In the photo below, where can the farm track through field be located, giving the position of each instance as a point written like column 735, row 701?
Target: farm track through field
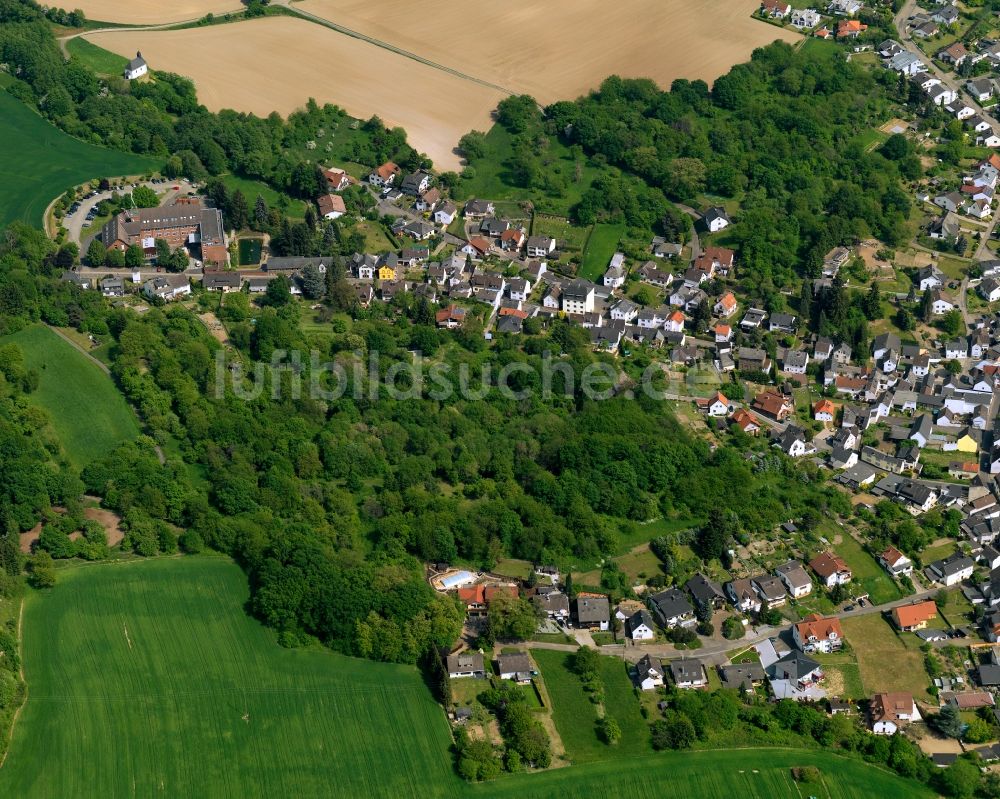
column 397, row 50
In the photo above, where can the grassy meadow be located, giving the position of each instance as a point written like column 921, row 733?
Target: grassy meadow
column 601, row 245
column 85, row 408
column 148, row 678
column 38, row 162
column 102, row 61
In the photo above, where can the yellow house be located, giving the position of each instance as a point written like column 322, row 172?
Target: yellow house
column 967, row 444
column 386, row 272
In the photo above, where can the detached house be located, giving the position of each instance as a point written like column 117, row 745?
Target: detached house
column 688, row 673
column 914, row 617
column 540, row 246
column 384, row 175
column 890, row 711
column 831, row 569
column 816, row 633
column 726, row 306
column 649, row 673
column 593, row 611
column 951, row 570
column 716, row 219
column 795, row 579
column 639, row 626
column 895, row 562
column 466, row 664
column 672, row 608
column 743, row 596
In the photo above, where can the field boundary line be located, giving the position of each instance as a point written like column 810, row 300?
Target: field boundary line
column 335, row 26
column 20, row 671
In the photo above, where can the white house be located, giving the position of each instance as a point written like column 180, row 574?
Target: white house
column 649, row 673
column 540, row 246
column 615, row 276
column 166, row 288
column 578, row 297
column 816, row 633
column 795, row 578
column 136, row 67
column 675, row 322
column 445, row 215
column 688, row 673
column 640, row 627
column 331, row 206
column 805, row 18
column 716, row 219
column 890, row 711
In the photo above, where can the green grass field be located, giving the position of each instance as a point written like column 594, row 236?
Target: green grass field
column 86, row 410
column 746, row 773
column 871, row 577
column 601, row 245
column 147, row 678
column 875, row 643
column 575, row 715
column 251, row 188
column 102, row 61
column 38, row 162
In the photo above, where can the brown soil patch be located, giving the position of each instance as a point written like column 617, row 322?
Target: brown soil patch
column 29, row 538
column 109, row 521
column 895, row 125
column 211, row 321
column 147, row 12
column 278, row 63
column 582, row 42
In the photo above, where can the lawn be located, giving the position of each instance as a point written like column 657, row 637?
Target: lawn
column 875, row 645
column 296, row 209
column 601, row 245
column 869, row 577
column 102, row 61
column 147, row 678
column 575, row 715
column 85, row 408
column 568, row 237
column 38, row 162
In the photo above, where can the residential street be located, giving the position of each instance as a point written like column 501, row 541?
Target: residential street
column 715, row 652
column 949, row 79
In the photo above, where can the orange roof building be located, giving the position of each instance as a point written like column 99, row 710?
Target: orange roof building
column 824, row 411
column 817, row 633
column 746, row 421
column 915, row 616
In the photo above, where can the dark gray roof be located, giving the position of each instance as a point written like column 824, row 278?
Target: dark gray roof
column 685, row 670
column 516, row 662
column 792, row 666
column 741, row 675
column 704, row 590
column 593, row 608
column 672, row 603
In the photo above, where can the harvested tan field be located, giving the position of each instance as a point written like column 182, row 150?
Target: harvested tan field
column 559, row 50
column 150, row 12
column 277, row 63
